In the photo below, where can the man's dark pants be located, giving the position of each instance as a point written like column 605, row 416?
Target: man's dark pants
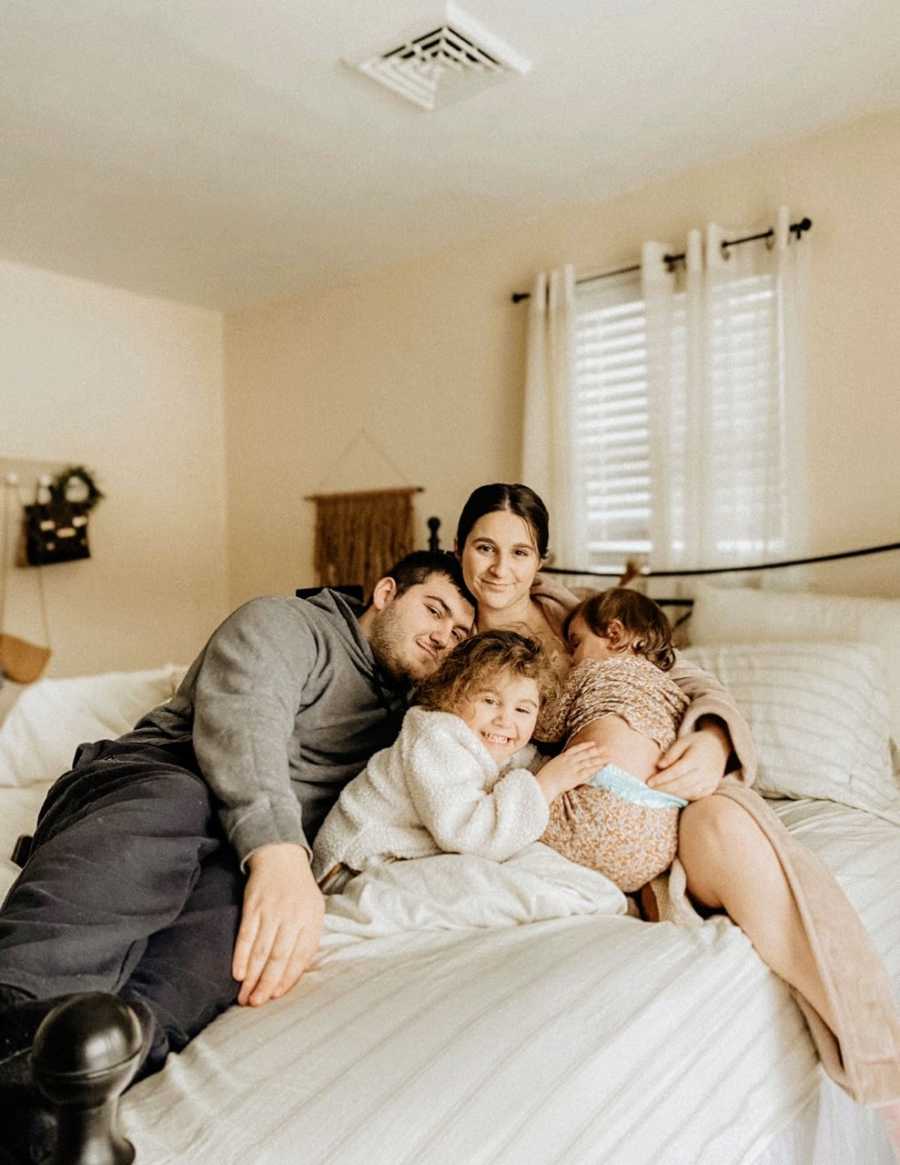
column 130, row 887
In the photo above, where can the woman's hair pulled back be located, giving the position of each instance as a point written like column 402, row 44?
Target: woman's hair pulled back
column 518, row 499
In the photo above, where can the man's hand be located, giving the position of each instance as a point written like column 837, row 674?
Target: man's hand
column 281, row 923
column 695, row 764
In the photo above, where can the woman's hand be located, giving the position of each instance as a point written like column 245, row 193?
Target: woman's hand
column 571, row 768
column 695, row 764
column 281, row 923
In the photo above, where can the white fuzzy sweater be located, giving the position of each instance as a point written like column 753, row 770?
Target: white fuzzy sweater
column 435, row 790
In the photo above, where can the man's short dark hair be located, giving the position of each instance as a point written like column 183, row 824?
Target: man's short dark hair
column 415, row 568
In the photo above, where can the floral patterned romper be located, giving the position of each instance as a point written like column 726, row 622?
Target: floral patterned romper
column 617, row 824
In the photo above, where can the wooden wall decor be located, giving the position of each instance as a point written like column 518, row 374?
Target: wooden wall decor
column 361, row 534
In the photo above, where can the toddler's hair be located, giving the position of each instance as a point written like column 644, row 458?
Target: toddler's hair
column 647, row 630
column 474, row 663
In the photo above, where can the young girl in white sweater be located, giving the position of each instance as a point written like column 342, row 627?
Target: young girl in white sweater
column 457, row 779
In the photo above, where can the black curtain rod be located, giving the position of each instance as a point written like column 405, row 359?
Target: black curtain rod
column 796, row 228
column 731, row 569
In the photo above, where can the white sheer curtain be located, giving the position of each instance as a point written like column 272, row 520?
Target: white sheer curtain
column 548, row 461
column 726, row 398
column 680, row 425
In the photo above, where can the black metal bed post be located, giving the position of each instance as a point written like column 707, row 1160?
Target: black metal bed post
column 85, row 1054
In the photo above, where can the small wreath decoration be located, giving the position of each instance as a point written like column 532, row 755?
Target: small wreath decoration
column 76, row 484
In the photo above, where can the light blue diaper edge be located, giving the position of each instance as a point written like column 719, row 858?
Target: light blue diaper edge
column 629, row 788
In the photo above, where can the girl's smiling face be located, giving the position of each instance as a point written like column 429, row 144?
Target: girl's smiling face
column 502, row 714
column 500, row 560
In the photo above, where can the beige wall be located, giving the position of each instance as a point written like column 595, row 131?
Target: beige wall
column 132, row 388
column 426, row 360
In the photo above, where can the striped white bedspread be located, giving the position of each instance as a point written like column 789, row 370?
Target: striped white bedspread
column 586, row 1038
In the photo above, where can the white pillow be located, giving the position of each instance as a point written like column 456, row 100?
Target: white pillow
column 744, row 615
column 819, row 716
column 52, row 717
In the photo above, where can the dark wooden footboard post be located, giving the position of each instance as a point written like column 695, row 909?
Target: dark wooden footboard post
column 85, row 1053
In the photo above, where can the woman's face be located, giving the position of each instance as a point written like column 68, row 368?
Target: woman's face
column 500, row 560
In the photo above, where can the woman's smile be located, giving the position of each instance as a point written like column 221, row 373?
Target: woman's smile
column 500, row 559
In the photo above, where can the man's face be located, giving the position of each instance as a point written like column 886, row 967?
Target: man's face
column 411, row 633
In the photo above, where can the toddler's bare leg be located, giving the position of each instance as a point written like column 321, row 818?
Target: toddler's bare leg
column 631, row 751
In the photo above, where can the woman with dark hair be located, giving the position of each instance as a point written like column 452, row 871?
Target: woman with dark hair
column 733, row 852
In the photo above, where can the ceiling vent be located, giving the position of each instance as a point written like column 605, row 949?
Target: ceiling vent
column 454, row 57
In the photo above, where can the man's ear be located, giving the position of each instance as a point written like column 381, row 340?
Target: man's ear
column 384, row 592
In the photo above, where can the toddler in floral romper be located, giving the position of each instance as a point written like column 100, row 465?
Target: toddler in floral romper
column 617, row 694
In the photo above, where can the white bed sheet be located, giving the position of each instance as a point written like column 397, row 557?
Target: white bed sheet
column 582, row 1039
column 18, row 813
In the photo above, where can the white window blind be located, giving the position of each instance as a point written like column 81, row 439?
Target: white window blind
column 745, row 432
column 722, row 460
column 610, row 419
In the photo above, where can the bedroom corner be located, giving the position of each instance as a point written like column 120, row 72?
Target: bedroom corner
column 131, row 386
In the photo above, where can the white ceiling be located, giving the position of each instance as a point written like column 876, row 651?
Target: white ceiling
column 217, row 152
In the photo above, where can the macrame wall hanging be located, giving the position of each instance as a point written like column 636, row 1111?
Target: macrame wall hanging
column 360, row 534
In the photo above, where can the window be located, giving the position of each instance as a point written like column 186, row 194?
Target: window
column 680, row 421
column 610, row 422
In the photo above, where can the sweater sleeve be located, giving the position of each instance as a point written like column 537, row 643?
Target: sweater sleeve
column 446, row 783
column 248, row 688
column 709, row 698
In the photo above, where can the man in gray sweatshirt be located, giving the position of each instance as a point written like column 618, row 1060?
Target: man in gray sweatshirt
column 172, row 866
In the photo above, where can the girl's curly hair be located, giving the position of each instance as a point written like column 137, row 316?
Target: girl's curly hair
column 474, row 663
column 647, row 630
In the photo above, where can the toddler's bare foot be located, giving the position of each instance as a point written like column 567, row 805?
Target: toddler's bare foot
column 649, row 909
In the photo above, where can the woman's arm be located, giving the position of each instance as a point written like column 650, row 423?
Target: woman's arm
column 713, row 738
column 695, row 764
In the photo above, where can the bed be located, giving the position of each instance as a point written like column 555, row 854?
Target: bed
column 462, row 1011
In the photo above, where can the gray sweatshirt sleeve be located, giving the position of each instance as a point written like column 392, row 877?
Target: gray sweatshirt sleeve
column 247, row 691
